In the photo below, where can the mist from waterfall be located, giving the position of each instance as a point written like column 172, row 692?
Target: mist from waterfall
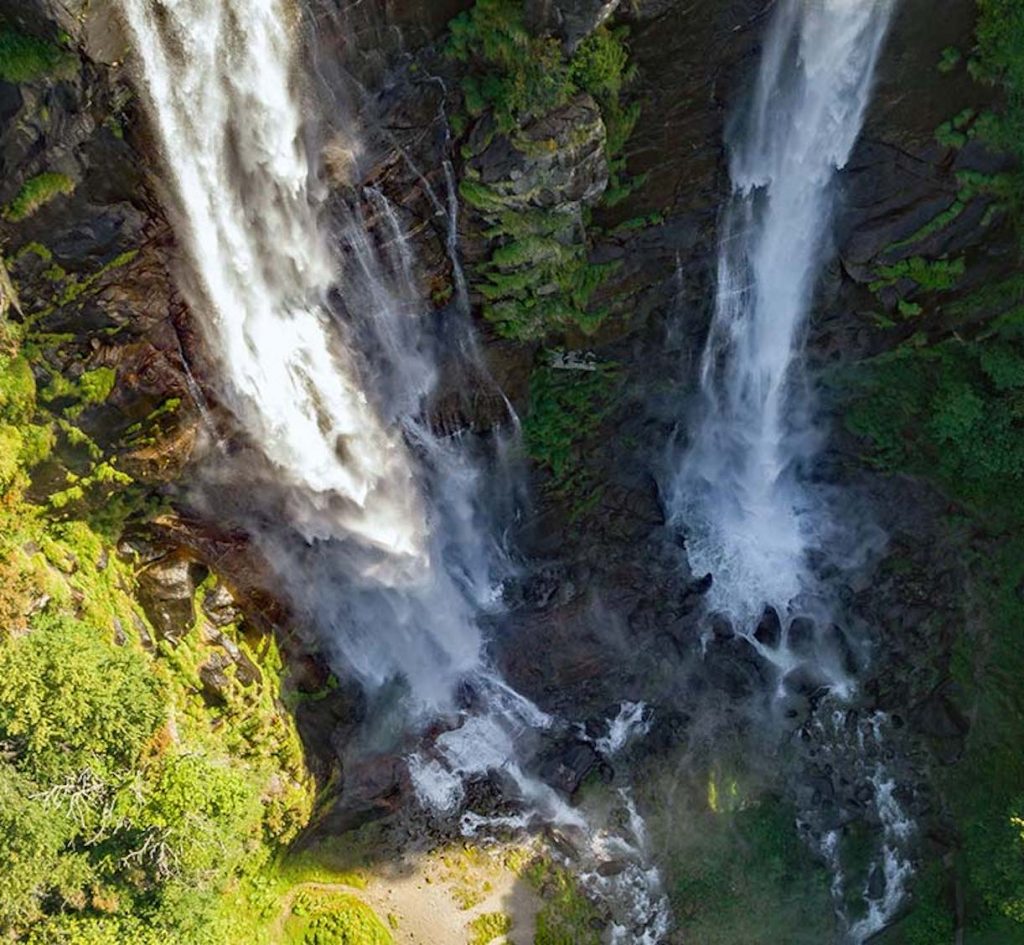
column 737, row 489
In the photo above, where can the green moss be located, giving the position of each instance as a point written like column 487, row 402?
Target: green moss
column 24, row 58
column 950, row 59
column 36, row 193
column 95, row 386
column 937, row 275
column 332, row 919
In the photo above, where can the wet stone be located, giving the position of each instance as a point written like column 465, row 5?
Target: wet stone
column 769, row 629
column 800, row 636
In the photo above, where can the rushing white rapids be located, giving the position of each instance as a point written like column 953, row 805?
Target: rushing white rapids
column 736, row 490
column 221, row 82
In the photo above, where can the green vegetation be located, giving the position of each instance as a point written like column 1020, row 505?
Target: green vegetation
column 567, row 408
column 24, row 58
column 131, row 810
column 539, row 279
column 739, row 872
column 948, row 405
column 36, row 193
column 485, row 928
column 324, row 918
column 567, row 916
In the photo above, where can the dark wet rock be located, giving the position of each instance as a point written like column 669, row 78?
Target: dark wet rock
column 735, row 667
column 806, row 680
column 327, row 723
column 800, row 637
column 700, row 586
column 769, row 629
column 839, row 642
column 721, row 627
column 220, row 606
column 877, row 883
column 568, row 766
column 215, row 679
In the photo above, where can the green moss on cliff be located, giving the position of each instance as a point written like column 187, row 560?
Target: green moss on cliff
column 36, row 193
column 539, row 279
column 25, row 58
column 567, row 408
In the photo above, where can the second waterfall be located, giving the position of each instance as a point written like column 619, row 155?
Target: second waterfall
column 737, row 488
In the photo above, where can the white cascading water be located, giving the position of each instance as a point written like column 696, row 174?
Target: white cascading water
column 736, row 491
column 223, row 87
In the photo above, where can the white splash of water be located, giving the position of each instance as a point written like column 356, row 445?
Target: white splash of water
column 736, row 491
column 859, row 742
column 632, row 721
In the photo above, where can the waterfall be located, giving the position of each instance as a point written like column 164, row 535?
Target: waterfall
column 321, row 352
column 737, row 490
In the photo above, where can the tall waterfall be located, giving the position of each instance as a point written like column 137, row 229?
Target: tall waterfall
column 380, row 545
column 737, row 489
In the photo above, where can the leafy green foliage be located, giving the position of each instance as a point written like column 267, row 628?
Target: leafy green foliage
column 36, row 193
column 999, row 60
column 485, row 928
column 567, row 408
column 24, row 58
column 327, row 918
column 567, row 916
column 72, row 701
column 953, row 411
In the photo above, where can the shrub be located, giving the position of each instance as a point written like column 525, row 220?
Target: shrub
column 71, row 700
column 350, row 922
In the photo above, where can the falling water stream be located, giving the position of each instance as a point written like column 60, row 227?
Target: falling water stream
column 737, row 490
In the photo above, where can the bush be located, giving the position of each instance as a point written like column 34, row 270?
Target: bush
column 351, row 922
column 567, row 408
column 71, row 700
column 32, row 838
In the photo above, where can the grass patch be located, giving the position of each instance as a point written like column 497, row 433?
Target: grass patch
column 36, row 193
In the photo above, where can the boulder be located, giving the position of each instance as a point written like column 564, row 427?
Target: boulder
column 167, row 589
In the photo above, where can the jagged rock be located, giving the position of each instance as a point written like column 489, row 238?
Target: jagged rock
column 800, row 636
column 220, row 606
column 734, row 666
column 216, row 681
column 570, row 19
column 557, row 162
column 769, row 628
column 569, row 766
column 167, row 590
